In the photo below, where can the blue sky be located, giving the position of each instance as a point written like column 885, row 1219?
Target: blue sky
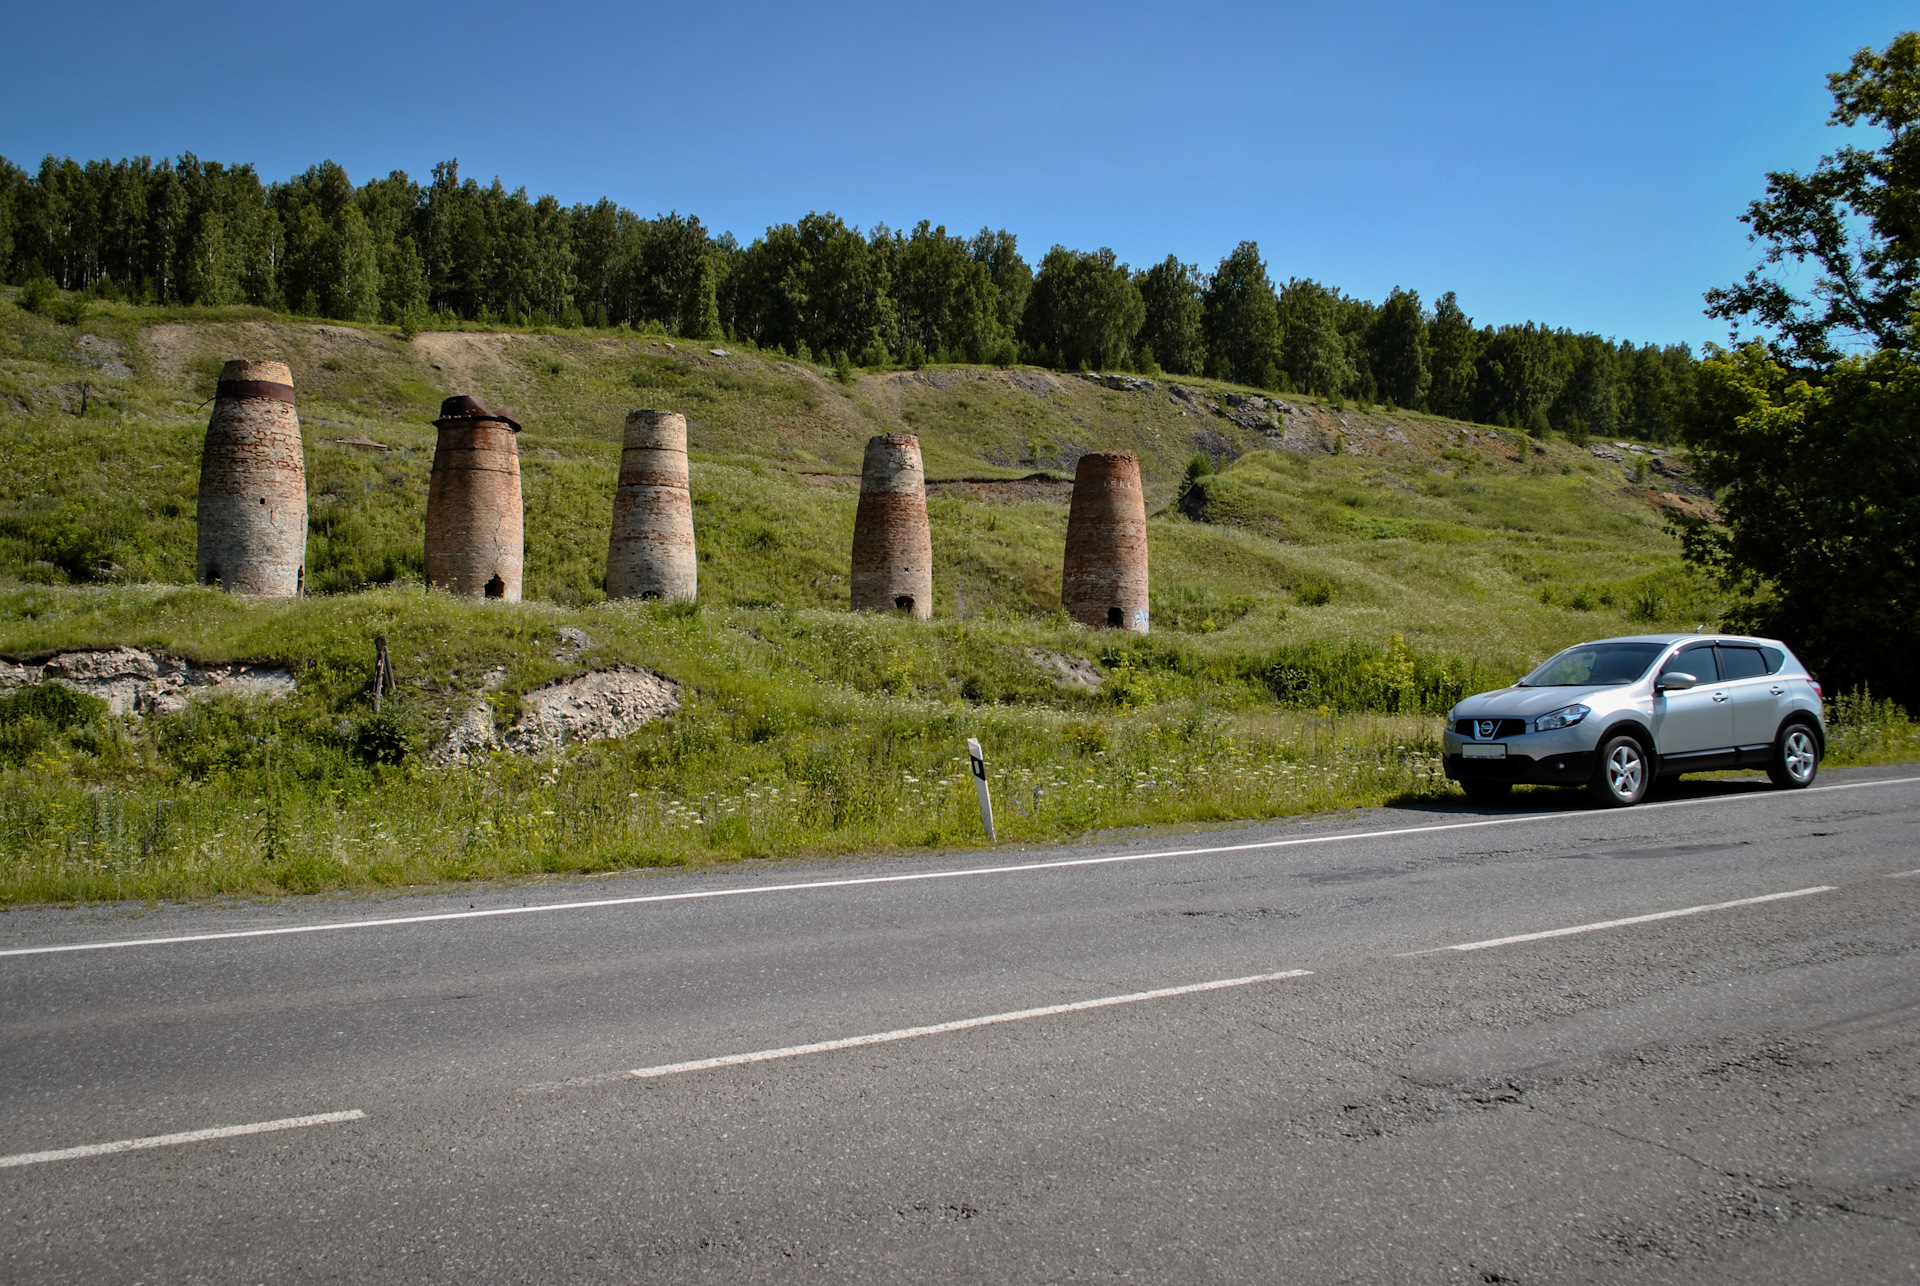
column 1582, row 166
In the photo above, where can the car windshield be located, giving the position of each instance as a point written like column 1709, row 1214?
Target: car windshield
column 1593, row 665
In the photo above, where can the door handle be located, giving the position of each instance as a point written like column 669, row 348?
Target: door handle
column 1777, row 690
column 1719, row 696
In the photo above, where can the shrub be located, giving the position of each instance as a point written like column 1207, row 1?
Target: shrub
column 39, row 294
column 54, row 704
column 32, row 719
column 380, row 739
column 1353, row 676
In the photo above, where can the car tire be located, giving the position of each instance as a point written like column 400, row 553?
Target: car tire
column 1796, row 758
column 1623, row 773
column 1487, row 792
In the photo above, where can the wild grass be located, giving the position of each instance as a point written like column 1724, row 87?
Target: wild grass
column 1862, row 730
column 801, row 732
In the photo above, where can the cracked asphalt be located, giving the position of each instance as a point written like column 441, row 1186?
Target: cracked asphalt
column 1732, row 1095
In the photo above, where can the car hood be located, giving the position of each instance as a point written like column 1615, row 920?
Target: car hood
column 1526, row 703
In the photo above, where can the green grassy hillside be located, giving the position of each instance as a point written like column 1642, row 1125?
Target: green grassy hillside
column 1313, row 607
column 1437, row 514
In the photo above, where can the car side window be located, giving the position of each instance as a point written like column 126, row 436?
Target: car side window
column 1742, row 663
column 1697, row 661
column 1775, row 658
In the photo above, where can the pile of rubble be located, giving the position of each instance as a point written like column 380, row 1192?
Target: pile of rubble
column 587, row 707
column 134, row 681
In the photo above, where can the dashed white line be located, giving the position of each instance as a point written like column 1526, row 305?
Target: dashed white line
column 1903, row 875
column 963, row 1024
column 911, row 878
column 171, row 1140
column 1615, row 924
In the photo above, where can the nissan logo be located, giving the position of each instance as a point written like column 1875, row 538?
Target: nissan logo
column 1484, row 728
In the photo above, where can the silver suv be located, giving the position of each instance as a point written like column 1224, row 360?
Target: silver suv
column 1615, row 714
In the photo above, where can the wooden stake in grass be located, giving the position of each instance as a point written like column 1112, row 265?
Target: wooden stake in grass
column 980, row 786
column 383, row 680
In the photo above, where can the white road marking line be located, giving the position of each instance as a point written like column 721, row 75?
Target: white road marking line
column 964, row 1024
column 191, row 1136
column 1903, row 875
column 1615, row 924
column 856, row 881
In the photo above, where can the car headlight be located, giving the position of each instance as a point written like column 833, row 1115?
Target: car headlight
column 1564, row 717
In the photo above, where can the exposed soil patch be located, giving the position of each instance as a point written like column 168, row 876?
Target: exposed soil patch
column 587, row 707
column 889, row 390
column 1068, row 671
column 1685, row 508
column 834, row 402
column 1121, row 383
column 134, row 681
column 174, row 348
column 188, row 355
column 1028, row 381
column 464, row 360
column 103, row 355
column 1216, row 446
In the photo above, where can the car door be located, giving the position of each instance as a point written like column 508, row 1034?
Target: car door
column 1759, row 700
column 1694, row 722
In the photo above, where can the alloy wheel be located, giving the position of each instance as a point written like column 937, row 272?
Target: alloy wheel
column 1625, row 769
column 1801, row 756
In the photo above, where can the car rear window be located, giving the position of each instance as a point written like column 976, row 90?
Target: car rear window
column 1697, row 661
column 1742, row 663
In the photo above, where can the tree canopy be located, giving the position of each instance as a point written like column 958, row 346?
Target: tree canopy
column 394, row 250
column 1855, row 219
column 1814, row 450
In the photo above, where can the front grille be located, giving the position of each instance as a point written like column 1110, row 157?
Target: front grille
column 1502, row 728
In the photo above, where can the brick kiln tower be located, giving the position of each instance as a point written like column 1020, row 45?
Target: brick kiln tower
column 891, row 540
column 651, row 553
column 475, row 522
column 892, row 543
column 1103, row 583
column 253, row 485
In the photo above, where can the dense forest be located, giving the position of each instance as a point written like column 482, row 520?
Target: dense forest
column 199, row 232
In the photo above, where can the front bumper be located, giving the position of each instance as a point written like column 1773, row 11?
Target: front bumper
column 1570, row 768
column 1563, row 757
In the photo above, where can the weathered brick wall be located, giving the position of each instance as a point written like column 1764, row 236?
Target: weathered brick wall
column 892, row 543
column 475, row 519
column 253, row 485
column 651, row 552
column 1103, row 580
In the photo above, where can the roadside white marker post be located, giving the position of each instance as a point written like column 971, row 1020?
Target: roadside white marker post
column 980, row 785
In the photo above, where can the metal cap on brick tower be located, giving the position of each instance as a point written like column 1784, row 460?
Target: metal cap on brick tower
column 253, row 485
column 1103, row 582
column 475, row 521
column 651, row 553
column 892, row 543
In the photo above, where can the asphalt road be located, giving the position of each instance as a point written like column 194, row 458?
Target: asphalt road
column 1727, row 1095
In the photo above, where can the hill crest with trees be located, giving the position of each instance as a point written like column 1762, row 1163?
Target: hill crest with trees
column 393, row 250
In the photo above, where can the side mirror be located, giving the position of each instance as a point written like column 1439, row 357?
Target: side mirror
column 1674, row 681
